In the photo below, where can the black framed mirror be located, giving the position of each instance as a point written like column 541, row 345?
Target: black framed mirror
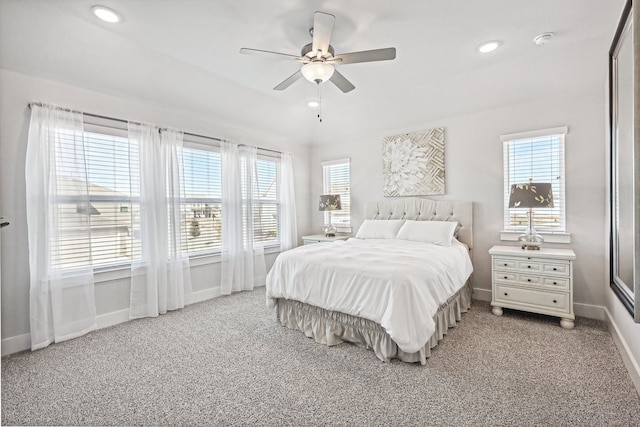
column 624, row 101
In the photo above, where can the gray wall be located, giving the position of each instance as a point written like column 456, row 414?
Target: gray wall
column 112, row 289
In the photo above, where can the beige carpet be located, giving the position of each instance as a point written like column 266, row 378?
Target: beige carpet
column 228, row 362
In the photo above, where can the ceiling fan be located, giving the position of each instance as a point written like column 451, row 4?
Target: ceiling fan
column 319, row 57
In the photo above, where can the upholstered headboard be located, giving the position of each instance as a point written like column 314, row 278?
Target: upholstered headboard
column 427, row 210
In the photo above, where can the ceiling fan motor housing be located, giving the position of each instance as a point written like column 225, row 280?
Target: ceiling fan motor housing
column 307, row 51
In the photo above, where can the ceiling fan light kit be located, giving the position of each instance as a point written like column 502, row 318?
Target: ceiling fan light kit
column 317, row 72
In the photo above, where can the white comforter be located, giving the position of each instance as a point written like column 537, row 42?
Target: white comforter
column 397, row 283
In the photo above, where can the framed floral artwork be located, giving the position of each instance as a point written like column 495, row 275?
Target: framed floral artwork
column 413, row 163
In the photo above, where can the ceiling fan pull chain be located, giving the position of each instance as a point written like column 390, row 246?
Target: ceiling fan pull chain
column 319, row 103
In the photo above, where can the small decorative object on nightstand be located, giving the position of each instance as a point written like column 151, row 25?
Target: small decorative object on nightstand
column 319, row 238
column 539, row 282
column 329, row 203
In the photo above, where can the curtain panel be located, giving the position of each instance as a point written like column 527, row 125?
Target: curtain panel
column 243, row 264
column 62, row 301
column 288, row 223
column 161, row 277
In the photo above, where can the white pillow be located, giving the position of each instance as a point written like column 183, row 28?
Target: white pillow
column 379, row 228
column 436, row 232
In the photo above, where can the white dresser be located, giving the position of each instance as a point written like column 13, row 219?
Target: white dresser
column 536, row 281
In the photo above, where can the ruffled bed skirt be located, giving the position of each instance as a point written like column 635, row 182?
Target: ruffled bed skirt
column 332, row 327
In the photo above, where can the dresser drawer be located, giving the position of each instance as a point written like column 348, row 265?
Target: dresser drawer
column 531, row 297
column 556, row 268
column 505, row 264
column 505, row 276
column 556, row 282
column 530, row 266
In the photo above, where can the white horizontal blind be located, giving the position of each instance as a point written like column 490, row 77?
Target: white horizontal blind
column 201, row 212
column 113, row 208
column 337, row 180
column 541, row 158
column 266, row 216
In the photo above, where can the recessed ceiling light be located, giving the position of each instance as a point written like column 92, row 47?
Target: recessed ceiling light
column 313, row 103
column 543, row 38
column 488, row 47
column 106, row 14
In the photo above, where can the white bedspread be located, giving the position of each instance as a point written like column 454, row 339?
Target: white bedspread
column 397, row 283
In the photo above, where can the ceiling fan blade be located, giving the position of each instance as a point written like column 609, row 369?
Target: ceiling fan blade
column 367, row 56
column 322, row 29
column 269, row 54
column 341, row 81
column 289, row 81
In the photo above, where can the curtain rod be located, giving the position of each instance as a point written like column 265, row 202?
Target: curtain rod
column 98, row 116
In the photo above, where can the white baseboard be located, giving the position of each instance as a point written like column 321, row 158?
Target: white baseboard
column 15, row 344
column 23, row 342
column 203, row 295
column 113, row 318
column 482, row 294
column 623, row 349
column 589, row 311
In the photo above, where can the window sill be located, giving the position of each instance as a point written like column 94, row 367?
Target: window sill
column 512, row 236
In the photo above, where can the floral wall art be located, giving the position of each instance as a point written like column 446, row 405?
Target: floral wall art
column 413, row 163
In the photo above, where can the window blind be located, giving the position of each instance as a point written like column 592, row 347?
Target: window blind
column 337, row 180
column 105, row 198
column 202, row 209
column 111, row 210
column 266, row 217
column 540, row 157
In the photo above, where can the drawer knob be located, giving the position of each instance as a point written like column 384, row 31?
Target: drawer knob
column 555, row 283
column 528, row 280
column 528, row 266
column 555, row 301
column 555, row 269
column 505, row 264
column 505, row 294
column 505, row 277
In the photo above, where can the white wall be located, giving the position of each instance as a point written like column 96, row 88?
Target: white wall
column 112, row 291
column 474, row 172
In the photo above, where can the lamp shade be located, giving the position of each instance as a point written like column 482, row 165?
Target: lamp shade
column 531, row 195
column 317, row 72
column 330, row 202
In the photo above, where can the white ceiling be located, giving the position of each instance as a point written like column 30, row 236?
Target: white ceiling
column 183, row 54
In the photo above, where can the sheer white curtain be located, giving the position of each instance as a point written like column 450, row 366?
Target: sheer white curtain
column 243, row 265
column 160, row 278
column 288, row 224
column 62, row 301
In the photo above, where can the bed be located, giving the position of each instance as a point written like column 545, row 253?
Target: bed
column 393, row 293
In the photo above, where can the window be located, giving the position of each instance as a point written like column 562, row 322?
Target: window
column 113, row 208
column 336, row 180
column 267, row 194
column 201, row 211
column 539, row 156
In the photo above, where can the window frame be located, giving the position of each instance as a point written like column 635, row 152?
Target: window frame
column 551, row 235
column 118, row 128
column 112, row 129
column 344, row 227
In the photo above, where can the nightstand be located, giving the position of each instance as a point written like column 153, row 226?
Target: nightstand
column 320, row 238
column 538, row 281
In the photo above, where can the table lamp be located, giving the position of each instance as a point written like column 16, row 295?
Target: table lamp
column 329, row 203
column 531, row 195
